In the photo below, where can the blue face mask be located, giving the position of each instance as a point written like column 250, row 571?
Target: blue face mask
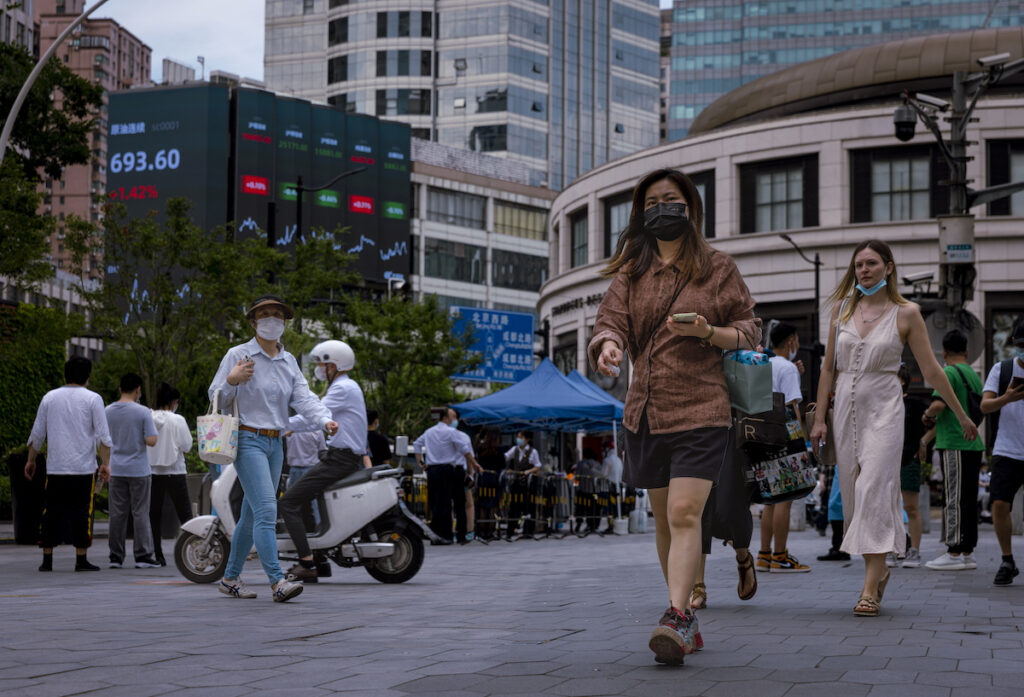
column 520, row 442
column 873, row 289
column 454, row 423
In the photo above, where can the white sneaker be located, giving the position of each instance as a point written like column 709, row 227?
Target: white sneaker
column 913, row 559
column 969, row 561
column 285, row 590
column 891, row 561
column 947, row 562
column 235, row 588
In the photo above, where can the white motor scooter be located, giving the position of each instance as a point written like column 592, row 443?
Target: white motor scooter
column 363, row 522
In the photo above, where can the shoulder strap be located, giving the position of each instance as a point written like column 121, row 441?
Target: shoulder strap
column 963, row 378
column 1005, row 375
column 641, row 348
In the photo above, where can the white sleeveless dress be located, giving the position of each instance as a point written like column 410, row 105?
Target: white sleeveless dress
column 868, row 424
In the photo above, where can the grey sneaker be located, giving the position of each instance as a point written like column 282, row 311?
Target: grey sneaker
column 913, row 559
column 676, row 635
column 947, row 562
column 891, row 560
column 969, row 561
column 285, row 590
column 235, row 587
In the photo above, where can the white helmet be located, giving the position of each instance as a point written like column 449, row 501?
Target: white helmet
column 337, row 352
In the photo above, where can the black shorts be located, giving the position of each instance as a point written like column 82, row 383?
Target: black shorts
column 651, row 460
column 1007, row 478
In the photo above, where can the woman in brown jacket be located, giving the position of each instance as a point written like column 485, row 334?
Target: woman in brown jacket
column 677, row 415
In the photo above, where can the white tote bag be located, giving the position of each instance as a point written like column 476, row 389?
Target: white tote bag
column 218, row 434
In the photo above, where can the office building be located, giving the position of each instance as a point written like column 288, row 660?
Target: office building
column 110, row 56
column 17, row 26
column 718, row 45
column 561, row 85
column 817, row 160
column 175, row 73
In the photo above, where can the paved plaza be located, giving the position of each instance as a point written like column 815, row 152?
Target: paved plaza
column 553, row 617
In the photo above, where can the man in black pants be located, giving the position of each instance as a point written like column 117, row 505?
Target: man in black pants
column 961, row 460
column 445, row 450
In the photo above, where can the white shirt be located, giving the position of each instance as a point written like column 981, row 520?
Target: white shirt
column 304, row 448
column 611, row 468
column 442, row 445
column 466, row 442
column 72, row 421
column 1010, row 439
column 344, row 399
column 786, row 379
column 174, row 439
column 515, row 453
column 276, row 384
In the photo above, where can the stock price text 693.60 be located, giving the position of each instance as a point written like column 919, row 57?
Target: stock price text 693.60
column 139, row 161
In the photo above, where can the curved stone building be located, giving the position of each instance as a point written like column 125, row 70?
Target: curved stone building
column 810, row 152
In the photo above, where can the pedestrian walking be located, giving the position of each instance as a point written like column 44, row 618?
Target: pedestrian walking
column 677, row 416
column 916, row 437
column 1001, row 398
column 167, row 462
column 379, row 444
column 71, row 422
column 961, row 460
column 347, row 451
column 132, row 430
column 775, row 517
column 439, row 452
column 264, row 381
column 873, row 324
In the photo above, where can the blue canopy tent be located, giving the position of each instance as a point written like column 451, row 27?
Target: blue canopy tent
column 548, row 401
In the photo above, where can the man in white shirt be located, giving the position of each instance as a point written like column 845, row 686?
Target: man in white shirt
column 442, row 453
column 775, row 519
column 1002, row 394
column 71, row 420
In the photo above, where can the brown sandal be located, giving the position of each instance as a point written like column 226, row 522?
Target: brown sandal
column 745, row 566
column 699, row 597
column 867, row 607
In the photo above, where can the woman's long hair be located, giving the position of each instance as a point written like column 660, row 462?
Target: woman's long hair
column 636, row 248
column 849, row 282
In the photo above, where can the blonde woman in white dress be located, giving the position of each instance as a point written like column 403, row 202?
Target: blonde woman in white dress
column 871, row 323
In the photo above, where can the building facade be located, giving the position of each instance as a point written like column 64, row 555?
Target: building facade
column 718, row 45
column 823, row 166
column 108, row 55
column 559, row 85
column 479, row 230
column 17, row 26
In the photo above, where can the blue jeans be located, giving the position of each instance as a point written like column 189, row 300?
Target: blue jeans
column 258, row 466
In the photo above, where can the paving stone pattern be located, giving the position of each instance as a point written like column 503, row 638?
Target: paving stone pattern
column 566, row 617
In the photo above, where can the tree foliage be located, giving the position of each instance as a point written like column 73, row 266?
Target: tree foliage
column 51, row 132
column 405, row 355
column 173, row 298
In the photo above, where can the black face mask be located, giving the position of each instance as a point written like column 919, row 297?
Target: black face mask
column 667, row 221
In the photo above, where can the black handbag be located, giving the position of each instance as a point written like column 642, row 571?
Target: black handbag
column 765, row 429
column 973, row 399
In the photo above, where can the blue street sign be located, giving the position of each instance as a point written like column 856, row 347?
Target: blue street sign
column 504, row 339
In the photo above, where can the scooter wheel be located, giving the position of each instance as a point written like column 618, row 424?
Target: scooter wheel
column 404, row 563
column 200, row 562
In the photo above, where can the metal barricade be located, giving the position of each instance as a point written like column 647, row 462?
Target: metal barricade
column 488, row 499
column 414, row 494
column 558, row 504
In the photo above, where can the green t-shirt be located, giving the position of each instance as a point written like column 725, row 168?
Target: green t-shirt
column 948, row 433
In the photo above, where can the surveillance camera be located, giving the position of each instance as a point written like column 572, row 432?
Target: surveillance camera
column 915, row 278
column 940, row 104
column 905, row 120
column 993, row 61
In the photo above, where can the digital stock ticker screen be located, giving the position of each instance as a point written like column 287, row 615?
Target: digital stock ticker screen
column 233, row 153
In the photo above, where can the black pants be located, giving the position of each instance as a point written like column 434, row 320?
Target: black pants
column 960, row 510
column 335, row 465
column 177, row 488
column 70, row 496
column 445, row 490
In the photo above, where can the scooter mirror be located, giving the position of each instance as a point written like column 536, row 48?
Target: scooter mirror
column 402, row 446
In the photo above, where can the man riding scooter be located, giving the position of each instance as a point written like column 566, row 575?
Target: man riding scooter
column 346, row 449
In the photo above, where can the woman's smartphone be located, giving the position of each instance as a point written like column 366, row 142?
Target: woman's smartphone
column 685, row 317
column 1016, row 382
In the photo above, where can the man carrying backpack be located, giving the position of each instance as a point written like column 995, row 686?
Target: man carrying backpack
column 961, row 459
column 1003, row 392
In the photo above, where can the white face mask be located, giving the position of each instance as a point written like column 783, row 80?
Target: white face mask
column 270, row 328
column 320, row 372
column 792, row 354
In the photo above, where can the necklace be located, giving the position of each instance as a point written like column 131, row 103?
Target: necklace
column 865, row 320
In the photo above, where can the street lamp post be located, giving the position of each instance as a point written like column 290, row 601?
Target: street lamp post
column 5, row 135
column 817, row 350
column 300, row 189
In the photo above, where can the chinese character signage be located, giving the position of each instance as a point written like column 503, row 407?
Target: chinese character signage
column 503, row 339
